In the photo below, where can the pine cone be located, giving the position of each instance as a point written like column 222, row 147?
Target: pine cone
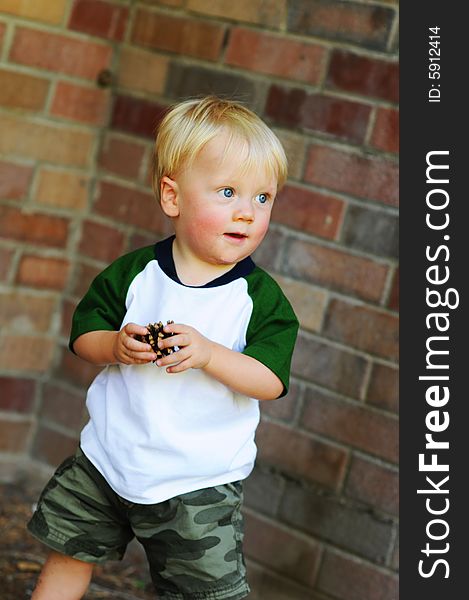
column 155, row 331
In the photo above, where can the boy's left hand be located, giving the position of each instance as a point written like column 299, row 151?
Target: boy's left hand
column 194, row 352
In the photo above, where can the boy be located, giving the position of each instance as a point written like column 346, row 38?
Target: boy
column 167, row 445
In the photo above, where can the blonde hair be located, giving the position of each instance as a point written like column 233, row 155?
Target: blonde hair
column 189, row 125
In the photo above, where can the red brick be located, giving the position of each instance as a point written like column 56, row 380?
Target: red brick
column 328, row 366
column 83, row 277
column 103, row 19
column 263, row 489
column 308, row 302
column 60, row 53
column 121, row 157
column 367, row 25
column 364, row 328
column 63, row 406
column 87, row 105
column 43, row 272
column 362, row 75
column 26, row 353
column 283, row 408
column 340, row 118
column 357, row 581
column 75, row 370
column 36, row 10
column 385, row 134
column 308, row 211
column 22, row 91
column 336, row 270
column 383, row 390
column 138, row 240
column 182, row 35
column 62, row 189
column 68, row 308
column 134, row 66
column 268, row 13
column 299, row 455
column 295, row 149
column 275, row 55
column 298, row 558
column 25, row 312
column 17, row 394
column 393, row 301
column 14, row 180
column 101, row 241
column 45, row 141
column 370, row 178
column 136, row 116
column 352, row 424
column 130, row 206
column 6, row 256
column 53, row 447
column 286, row 106
column 374, row 484
column 372, row 231
column 188, row 80
column 270, row 251
column 35, row 228
column 332, row 519
column 14, row 435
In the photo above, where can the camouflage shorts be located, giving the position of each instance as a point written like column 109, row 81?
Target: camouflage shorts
column 193, row 542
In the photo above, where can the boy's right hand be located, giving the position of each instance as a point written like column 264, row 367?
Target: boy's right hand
column 128, row 350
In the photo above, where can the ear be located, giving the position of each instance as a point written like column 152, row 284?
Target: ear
column 169, row 196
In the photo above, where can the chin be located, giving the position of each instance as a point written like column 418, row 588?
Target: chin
column 222, row 262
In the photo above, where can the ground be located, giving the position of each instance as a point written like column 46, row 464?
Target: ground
column 21, row 556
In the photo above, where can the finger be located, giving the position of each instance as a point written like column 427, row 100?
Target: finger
column 174, row 340
column 176, row 328
column 180, row 367
column 134, row 345
column 134, row 329
column 141, row 362
column 172, row 358
column 146, row 357
column 135, row 356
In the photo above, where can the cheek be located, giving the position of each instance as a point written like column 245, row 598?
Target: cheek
column 262, row 225
column 205, row 222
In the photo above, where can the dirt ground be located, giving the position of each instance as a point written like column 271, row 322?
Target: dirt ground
column 21, row 556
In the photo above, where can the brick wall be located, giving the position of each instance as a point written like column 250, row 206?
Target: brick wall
column 321, row 505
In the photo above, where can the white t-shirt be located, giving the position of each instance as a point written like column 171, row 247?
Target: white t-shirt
column 155, row 435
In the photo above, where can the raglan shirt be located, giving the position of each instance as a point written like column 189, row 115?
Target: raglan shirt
column 155, row 435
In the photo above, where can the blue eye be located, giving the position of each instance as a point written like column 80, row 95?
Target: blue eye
column 262, row 198
column 227, row 192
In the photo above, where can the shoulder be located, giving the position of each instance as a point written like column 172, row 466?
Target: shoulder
column 268, row 298
column 261, row 284
column 127, row 266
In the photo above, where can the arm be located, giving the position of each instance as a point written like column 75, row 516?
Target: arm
column 241, row 373
column 112, row 347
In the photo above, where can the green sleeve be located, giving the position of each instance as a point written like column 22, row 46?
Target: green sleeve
column 103, row 306
column 273, row 327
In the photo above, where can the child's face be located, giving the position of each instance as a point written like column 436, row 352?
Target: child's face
column 223, row 212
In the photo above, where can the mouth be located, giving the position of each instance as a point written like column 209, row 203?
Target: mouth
column 236, row 236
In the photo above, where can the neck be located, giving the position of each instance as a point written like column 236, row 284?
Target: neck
column 193, row 271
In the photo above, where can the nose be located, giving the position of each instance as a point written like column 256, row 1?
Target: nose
column 244, row 210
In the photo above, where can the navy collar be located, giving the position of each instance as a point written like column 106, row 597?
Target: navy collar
column 164, row 256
